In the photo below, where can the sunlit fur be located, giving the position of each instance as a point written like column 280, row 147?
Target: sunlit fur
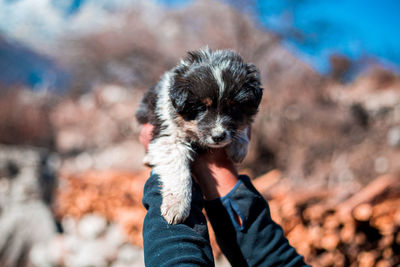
column 207, row 101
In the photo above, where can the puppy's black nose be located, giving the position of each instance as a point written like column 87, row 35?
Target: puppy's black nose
column 218, row 137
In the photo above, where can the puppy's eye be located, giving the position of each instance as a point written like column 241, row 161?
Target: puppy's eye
column 191, row 115
column 234, row 108
column 193, row 112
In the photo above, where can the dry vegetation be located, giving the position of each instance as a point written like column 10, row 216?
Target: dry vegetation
column 314, row 128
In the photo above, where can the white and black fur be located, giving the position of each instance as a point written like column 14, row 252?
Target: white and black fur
column 207, row 101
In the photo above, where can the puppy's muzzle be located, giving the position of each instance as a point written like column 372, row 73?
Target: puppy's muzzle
column 219, row 137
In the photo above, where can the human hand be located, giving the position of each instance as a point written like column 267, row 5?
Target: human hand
column 146, row 134
column 215, row 172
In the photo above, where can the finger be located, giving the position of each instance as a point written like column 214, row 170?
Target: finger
column 146, row 134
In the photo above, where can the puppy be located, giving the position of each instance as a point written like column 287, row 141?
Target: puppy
column 207, row 101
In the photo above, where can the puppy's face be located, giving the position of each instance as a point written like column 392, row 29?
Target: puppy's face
column 215, row 95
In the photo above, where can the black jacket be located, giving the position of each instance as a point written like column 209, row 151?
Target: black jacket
column 257, row 241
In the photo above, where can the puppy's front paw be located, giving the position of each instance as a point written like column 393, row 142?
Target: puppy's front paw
column 174, row 209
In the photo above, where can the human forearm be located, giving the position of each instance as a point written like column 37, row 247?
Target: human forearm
column 254, row 239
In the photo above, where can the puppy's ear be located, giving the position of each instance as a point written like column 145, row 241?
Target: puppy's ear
column 178, row 94
column 253, row 82
column 198, row 56
column 194, row 57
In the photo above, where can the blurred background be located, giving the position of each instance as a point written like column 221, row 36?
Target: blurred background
column 325, row 147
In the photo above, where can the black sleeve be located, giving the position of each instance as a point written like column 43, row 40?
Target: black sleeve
column 257, row 240
column 185, row 244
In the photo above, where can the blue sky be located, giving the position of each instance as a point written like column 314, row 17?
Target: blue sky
column 312, row 29
column 319, row 28
column 316, row 29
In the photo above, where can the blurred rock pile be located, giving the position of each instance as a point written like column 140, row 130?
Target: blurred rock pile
column 88, row 241
column 101, row 216
column 26, row 185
